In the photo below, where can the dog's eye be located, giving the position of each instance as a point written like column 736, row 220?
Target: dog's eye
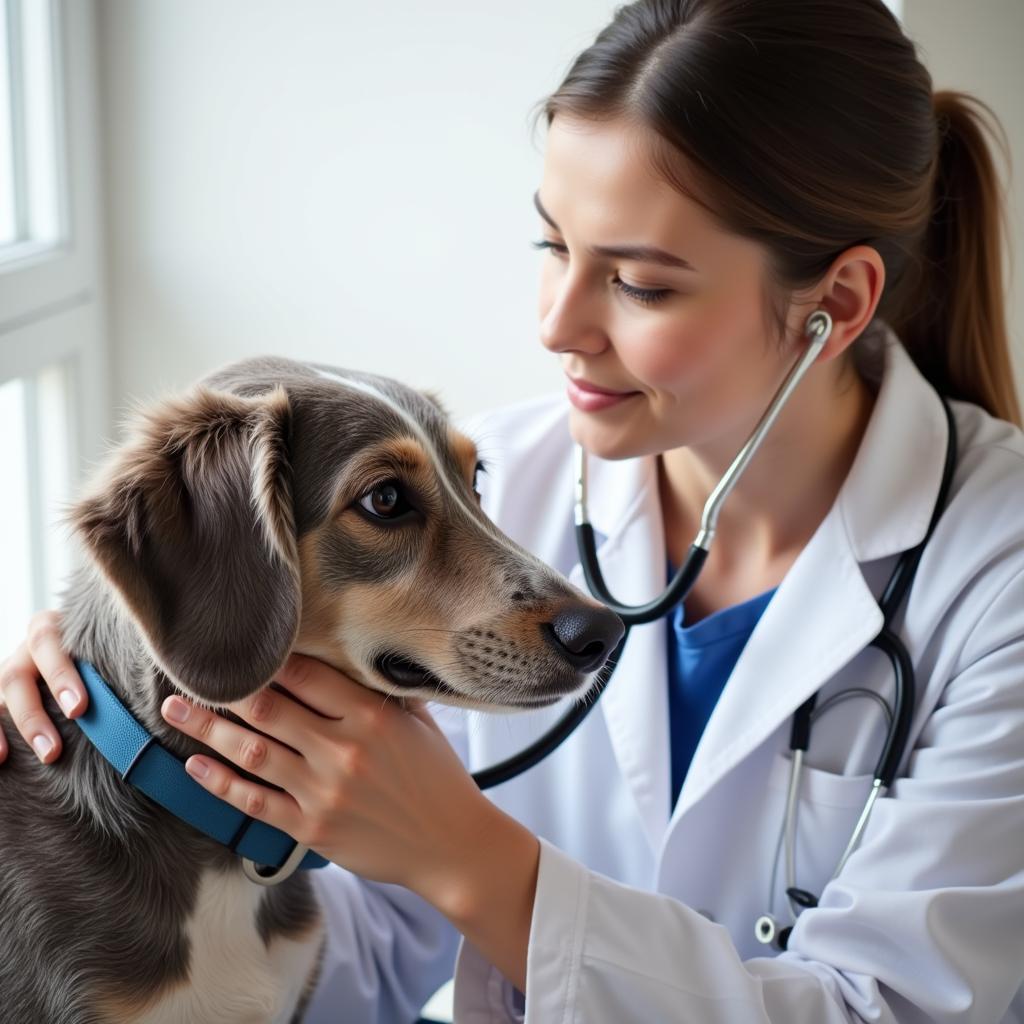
column 386, row 500
column 481, row 467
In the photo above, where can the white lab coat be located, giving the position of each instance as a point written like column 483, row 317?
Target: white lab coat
column 642, row 915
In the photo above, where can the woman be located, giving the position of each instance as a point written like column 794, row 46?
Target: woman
column 785, row 156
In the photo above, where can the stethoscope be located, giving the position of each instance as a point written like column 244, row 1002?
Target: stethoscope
column 898, row 718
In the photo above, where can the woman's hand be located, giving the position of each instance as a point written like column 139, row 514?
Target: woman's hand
column 368, row 784
column 377, row 789
column 41, row 654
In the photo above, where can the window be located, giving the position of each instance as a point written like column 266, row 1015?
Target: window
column 35, row 463
column 30, row 206
column 52, row 351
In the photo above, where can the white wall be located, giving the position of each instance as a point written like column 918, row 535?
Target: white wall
column 975, row 45
column 344, row 182
column 352, row 182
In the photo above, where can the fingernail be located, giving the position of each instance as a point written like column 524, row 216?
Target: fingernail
column 176, row 710
column 200, row 769
column 67, row 701
column 43, row 745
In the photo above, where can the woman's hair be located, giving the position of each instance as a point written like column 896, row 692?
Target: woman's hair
column 810, row 126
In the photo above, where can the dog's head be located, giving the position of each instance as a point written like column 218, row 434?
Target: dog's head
column 282, row 506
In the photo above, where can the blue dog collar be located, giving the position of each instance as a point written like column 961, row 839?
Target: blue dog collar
column 141, row 760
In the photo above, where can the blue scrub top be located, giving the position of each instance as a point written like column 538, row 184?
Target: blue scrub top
column 700, row 660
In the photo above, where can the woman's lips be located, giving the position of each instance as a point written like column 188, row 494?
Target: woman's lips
column 589, row 398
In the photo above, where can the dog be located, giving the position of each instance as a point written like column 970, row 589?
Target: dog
column 276, row 506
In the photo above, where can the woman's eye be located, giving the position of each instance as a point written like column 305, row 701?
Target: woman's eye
column 386, row 500
column 646, row 296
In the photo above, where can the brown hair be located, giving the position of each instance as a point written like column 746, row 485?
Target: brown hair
column 810, row 126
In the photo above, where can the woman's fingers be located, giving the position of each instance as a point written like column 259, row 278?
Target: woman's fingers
column 327, row 690
column 257, row 754
column 41, row 654
column 54, row 664
column 277, row 809
column 418, row 709
column 277, row 715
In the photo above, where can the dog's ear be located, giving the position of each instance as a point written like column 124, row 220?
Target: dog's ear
column 194, row 526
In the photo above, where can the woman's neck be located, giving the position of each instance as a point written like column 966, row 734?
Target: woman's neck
column 782, row 496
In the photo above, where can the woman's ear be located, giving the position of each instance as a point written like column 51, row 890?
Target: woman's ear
column 850, row 293
column 193, row 525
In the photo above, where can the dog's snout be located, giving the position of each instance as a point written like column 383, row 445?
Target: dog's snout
column 584, row 636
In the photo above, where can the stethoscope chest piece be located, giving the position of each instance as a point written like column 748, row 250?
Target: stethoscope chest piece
column 767, row 930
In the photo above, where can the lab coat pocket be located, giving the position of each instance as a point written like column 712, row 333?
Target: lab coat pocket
column 821, row 787
column 828, row 807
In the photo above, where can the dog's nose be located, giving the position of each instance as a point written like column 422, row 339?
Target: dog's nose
column 584, row 636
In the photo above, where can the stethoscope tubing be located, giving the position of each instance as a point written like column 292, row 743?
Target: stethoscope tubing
column 888, row 643
column 900, row 717
column 546, row 744
column 818, row 328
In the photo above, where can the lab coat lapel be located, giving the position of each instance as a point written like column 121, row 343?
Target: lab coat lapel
column 626, row 515
column 821, row 616
column 824, row 612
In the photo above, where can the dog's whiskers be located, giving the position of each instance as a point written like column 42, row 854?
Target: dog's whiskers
column 389, row 695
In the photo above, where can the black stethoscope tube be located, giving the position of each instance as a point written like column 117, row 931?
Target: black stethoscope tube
column 888, row 643
column 560, row 731
column 818, row 328
column 677, row 591
column 766, row 928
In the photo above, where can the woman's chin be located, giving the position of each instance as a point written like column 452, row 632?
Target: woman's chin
column 605, row 440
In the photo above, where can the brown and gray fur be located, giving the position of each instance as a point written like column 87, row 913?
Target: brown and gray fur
column 224, row 533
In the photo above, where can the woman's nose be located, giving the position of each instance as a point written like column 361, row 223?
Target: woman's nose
column 569, row 319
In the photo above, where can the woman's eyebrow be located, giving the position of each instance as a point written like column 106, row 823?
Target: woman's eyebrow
column 638, row 253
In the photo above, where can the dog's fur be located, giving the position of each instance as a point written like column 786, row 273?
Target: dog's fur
column 229, row 530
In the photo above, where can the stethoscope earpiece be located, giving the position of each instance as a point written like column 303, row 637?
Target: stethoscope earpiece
column 818, row 323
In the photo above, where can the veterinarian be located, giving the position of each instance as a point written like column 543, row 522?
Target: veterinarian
column 715, row 172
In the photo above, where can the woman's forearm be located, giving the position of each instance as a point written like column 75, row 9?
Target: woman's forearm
column 488, row 892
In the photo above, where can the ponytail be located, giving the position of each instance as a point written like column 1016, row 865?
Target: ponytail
column 846, row 145
column 953, row 320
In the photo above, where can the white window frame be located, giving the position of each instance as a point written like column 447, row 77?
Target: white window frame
column 52, row 308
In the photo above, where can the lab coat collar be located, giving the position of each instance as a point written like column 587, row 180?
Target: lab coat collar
column 883, row 507
column 889, row 493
